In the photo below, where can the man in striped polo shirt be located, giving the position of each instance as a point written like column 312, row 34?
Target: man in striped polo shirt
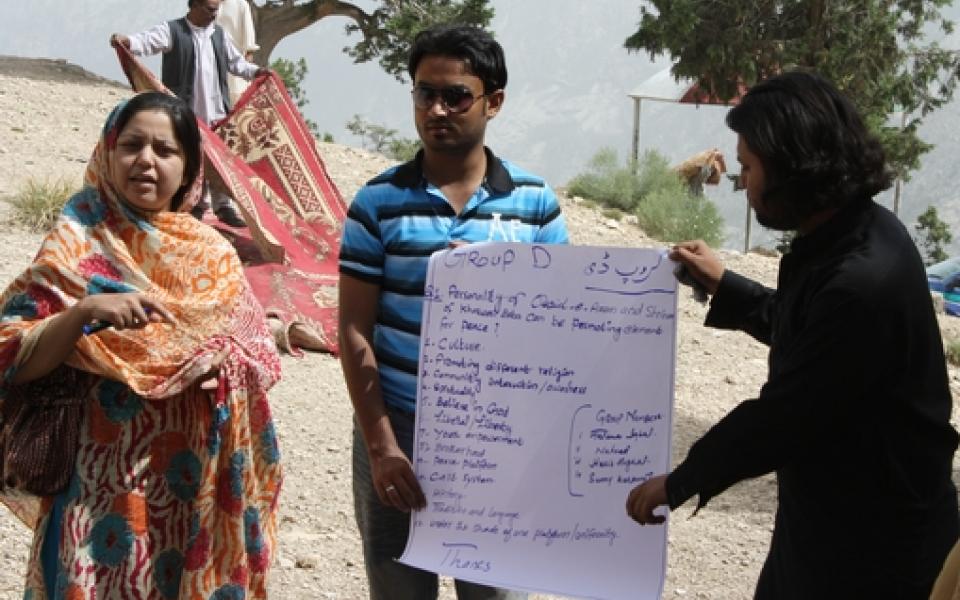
column 455, row 191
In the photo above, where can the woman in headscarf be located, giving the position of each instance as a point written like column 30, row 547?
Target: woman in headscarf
column 175, row 483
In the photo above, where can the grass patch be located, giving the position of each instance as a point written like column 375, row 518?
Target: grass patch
column 37, row 204
column 612, row 213
column 952, row 349
column 590, row 204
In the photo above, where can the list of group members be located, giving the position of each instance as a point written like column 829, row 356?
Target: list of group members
column 609, row 448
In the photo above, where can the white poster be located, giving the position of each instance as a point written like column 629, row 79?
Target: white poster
column 546, row 395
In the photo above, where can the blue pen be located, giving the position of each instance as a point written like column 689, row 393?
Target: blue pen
column 91, row 328
column 96, row 326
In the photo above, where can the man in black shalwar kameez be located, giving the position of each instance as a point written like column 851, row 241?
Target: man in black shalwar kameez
column 854, row 416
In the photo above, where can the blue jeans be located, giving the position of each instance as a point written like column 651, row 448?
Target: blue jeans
column 384, row 532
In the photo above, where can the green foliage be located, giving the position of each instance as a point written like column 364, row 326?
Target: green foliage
column 327, row 137
column 654, row 174
column 932, row 235
column 664, row 205
column 292, row 73
column 374, row 137
column 674, row 215
column 873, row 50
column 952, row 350
column 37, row 204
column 382, row 139
column 607, row 183
column 403, row 149
column 389, row 30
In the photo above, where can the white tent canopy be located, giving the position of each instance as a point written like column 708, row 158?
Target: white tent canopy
column 664, row 87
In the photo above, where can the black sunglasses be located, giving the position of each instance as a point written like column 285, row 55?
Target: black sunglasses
column 456, row 98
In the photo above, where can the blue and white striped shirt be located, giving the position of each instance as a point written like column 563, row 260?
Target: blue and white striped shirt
column 399, row 219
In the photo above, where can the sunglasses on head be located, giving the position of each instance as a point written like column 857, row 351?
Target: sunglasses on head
column 455, row 98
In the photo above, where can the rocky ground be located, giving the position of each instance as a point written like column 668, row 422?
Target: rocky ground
column 50, row 115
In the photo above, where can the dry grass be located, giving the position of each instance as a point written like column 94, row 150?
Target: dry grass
column 612, row 213
column 952, row 348
column 38, row 203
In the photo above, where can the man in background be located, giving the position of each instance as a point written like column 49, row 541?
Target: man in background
column 237, row 21
column 197, row 57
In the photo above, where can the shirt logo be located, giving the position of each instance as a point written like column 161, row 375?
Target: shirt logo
column 498, row 233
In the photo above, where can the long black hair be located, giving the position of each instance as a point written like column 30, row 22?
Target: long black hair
column 816, row 152
column 472, row 45
column 184, row 128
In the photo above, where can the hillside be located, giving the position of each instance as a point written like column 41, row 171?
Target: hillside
column 50, row 115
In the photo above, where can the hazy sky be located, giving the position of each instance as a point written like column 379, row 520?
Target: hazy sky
column 569, row 73
column 566, row 96
column 569, row 76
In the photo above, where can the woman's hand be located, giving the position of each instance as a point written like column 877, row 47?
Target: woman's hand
column 701, row 262
column 644, row 498
column 132, row 310
column 394, row 481
column 208, row 369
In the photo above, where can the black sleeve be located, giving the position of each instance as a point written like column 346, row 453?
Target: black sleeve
column 819, row 382
column 742, row 304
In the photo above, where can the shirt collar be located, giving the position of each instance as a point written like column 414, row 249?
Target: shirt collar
column 497, row 179
column 207, row 30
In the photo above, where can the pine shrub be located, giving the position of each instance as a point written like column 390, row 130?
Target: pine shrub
column 664, row 205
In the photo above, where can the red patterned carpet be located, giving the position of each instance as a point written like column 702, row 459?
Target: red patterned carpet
column 267, row 158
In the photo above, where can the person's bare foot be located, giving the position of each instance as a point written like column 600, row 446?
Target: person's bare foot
column 302, row 336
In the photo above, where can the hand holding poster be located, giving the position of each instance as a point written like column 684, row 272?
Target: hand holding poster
column 545, row 396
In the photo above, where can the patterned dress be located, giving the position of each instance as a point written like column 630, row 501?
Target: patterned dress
column 175, row 488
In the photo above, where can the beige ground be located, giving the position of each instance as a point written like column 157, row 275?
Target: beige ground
column 48, row 125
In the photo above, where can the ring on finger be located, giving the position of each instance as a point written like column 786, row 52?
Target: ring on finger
column 390, row 488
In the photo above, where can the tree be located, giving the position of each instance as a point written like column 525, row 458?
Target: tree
column 932, row 235
column 386, row 31
column 292, row 74
column 873, row 50
column 382, row 139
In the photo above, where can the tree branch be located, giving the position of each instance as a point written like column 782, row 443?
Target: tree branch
column 276, row 19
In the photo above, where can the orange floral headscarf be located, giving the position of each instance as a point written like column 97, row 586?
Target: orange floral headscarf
column 99, row 245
